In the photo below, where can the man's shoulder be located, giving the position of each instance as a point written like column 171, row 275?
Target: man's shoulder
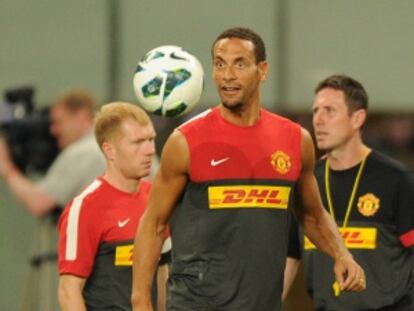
column 198, row 120
column 278, row 120
column 85, row 149
column 86, row 200
column 275, row 116
column 382, row 161
column 91, row 195
column 86, row 143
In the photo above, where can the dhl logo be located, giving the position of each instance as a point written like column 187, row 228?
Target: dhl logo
column 123, row 255
column 354, row 238
column 248, row 197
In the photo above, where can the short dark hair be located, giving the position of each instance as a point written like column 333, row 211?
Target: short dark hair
column 244, row 34
column 76, row 100
column 355, row 95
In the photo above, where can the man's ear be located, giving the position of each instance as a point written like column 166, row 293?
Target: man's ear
column 108, row 150
column 358, row 118
column 263, row 70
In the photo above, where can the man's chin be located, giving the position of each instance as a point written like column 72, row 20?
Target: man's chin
column 146, row 172
column 232, row 106
column 322, row 146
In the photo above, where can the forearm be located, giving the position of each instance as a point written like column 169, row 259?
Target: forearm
column 147, row 248
column 323, row 232
column 72, row 304
column 36, row 201
column 291, row 269
column 71, row 300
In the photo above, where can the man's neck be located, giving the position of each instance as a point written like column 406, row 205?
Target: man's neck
column 82, row 132
column 347, row 156
column 247, row 116
column 120, row 182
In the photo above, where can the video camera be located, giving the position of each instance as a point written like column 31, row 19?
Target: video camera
column 26, row 130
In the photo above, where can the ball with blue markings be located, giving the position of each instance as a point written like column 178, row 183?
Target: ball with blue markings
column 168, row 81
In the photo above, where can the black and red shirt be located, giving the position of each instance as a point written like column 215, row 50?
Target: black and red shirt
column 229, row 230
column 379, row 234
column 97, row 231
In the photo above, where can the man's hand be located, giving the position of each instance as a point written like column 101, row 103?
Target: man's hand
column 349, row 275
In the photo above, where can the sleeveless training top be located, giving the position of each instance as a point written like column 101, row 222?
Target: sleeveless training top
column 230, row 227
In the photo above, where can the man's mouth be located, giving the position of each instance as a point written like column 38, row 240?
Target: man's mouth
column 230, row 89
column 320, row 134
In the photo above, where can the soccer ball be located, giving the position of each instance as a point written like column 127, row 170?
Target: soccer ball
column 168, row 81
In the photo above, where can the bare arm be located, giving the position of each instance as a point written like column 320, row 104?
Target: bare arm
column 168, row 186
column 34, row 199
column 319, row 226
column 291, row 268
column 162, row 276
column 70, row 293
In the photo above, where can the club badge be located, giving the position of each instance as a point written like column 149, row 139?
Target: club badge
column 281, row 162
column 368, row 204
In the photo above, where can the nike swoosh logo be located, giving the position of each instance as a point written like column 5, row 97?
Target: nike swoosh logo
column 122, row 223
column 175, row 56
column 218, row 162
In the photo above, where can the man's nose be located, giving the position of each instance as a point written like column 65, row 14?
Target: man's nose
column 317, row 118
column 150, row 147
column 229, row 73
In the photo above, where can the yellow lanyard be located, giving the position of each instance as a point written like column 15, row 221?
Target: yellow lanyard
column 351, row 198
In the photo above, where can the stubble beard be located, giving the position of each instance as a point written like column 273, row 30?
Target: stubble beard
column 237, row 107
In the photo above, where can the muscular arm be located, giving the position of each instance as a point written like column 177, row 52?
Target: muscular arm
column 35, row 200
column 70, row 293
column 318, row 224
column 168, row 186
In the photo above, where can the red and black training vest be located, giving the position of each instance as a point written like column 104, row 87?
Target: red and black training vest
column 230, row 227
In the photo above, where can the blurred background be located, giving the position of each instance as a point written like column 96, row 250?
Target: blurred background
column 55, row 46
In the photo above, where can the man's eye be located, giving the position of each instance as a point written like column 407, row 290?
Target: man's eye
column 240, row 65
column 219, row 65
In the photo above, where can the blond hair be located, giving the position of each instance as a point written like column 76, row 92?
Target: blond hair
column 109, row 119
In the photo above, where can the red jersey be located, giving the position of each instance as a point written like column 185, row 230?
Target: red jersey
column 97, row 229
column 221, row 150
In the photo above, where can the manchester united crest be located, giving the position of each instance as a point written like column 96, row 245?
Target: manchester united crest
column 368, row 204
column 281, row 162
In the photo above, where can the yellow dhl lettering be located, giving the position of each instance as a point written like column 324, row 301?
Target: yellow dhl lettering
column 123, row 255
column 248, row 197
column 354, row 238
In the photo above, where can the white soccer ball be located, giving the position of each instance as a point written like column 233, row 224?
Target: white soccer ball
column 168, row 81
